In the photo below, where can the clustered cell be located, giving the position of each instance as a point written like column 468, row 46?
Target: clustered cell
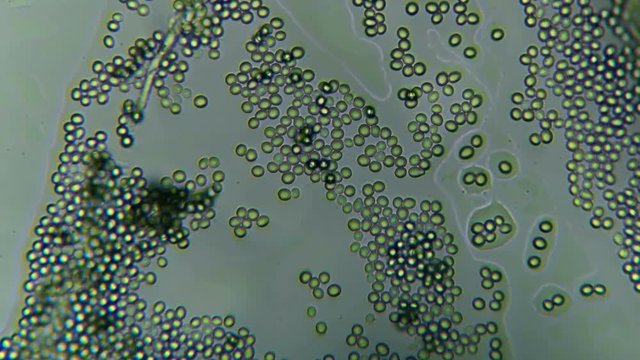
column 356, row 338
column 591, row 290
column 244, row 219
column 307, row 138
column 93, row 254
column 97, row 241
column 477, row 179
column 319, row 285
column 404, row 61
column 490, row 277
column 468, row 151
column 593, row 80
column 136, row 6
column 491, row 226
column 286, row 194
column 374, row 21
column 113, row 25
column 410, row 266
column 540, row 245
column 156, row 62
column 488, row 231
column 553, row 302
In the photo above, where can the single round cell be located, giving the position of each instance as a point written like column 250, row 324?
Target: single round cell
column 321, row 327
column 200, row 101
column 599, row 289
column 505, row 167
column 314, row 282
column 477, row 141
column 539, row 243
column 262, row 220
column 546, row 226
column 252, row 214
column 481, row 178
column 284, row 194
column 534, row 262
column 487, row 284
column 586, row 290
column 311, row 311
column 478, row 303
column 318, row 293
column 497, row 34
column 251, row 155
column 496, row 276
column 257, row 170
column 363, row 342
column 241, row 150
column 466, row 152
column 535, row 140
column 108, row 41
column 305, row 277
column 403, row 32
column 334, row 290
column 179, row 176
column 558, row 299
column 470, row 52
column 495, row 305
column 469, row 178
column 324, row 277
column 240, row 232
column 455, row 39
column 412, row 8
column 484, row 272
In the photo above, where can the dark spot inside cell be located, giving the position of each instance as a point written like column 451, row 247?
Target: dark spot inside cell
column 122, row 72
column 328, row 87
column 369, row 111
column 330, row 178
column 324, row 164
column 406, row 315
column 296, row 149
column 285, row 56
column 296, row 76
column 312, row 164
column 260, row 76
column 128, row 106
column 306, row 135
column 137, row 116
column 321, row 100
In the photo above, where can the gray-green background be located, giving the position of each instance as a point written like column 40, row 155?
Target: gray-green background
column 47, row 46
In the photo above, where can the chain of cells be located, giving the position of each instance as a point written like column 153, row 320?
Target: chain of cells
column 97, row 242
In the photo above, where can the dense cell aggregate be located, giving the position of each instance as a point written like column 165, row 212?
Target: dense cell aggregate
column 596, row 84
column 97, row 243
column 93, row 254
